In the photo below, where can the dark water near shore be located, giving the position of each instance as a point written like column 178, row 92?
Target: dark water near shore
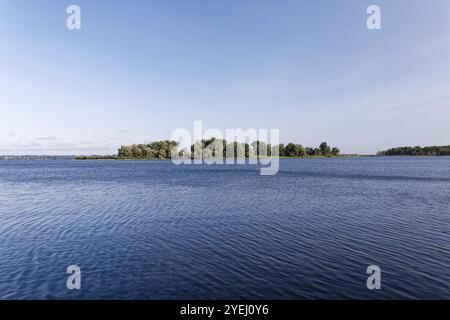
column 153, row 230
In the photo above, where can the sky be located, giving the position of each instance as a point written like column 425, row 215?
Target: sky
column 138, row 70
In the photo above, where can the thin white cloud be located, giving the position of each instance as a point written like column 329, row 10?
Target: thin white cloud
column 47, row 138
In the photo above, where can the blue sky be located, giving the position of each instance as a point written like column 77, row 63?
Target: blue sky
column 137, row 70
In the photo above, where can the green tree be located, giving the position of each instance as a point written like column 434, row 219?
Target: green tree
column 281, row 150
column 291, row 150
column 335, row 151
column 301, row 151
column 309, row 151
column 259, row 148
column 325, row 149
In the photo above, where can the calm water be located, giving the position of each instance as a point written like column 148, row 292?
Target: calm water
column 153, row 230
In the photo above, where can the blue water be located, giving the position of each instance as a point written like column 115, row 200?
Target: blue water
column 153, row 230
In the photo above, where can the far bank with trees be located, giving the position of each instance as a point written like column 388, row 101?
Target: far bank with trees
column 209, row 147
column 417, row 151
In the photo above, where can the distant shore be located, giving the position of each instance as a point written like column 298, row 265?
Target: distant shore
column 162, row 150
column 253, row 157
column 112, row 157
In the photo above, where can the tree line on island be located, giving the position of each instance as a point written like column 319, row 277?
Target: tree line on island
column 209, row 147
column 417, row 151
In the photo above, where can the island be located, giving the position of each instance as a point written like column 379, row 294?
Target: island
column 417, row 151
column 209, row 147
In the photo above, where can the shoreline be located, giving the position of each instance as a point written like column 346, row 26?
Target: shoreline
column 115, row 158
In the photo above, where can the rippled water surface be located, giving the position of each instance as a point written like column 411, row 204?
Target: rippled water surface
column 153, row 230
